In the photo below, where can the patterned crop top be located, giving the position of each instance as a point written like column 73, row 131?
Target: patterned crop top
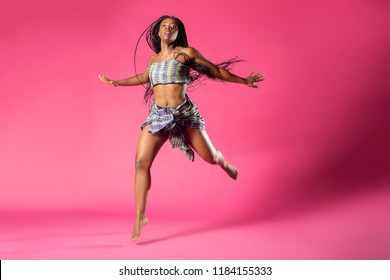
column 169, row 71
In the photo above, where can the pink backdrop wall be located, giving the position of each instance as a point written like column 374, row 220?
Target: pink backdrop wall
column 316, row 132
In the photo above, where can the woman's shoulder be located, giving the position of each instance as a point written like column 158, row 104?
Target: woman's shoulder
column 187, row 50
column 190, row 52
column 153, row 59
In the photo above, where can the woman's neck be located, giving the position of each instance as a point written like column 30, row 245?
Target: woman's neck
column 166, row 50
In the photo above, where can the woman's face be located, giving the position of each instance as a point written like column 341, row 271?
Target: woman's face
column 168, row 30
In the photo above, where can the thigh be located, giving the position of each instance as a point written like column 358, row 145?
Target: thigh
column 201, row 143
column 148, row 145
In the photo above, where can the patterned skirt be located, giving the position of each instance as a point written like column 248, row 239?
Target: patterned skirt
column 173, row 121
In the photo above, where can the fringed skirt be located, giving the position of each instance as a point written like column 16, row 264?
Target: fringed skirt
column 173, row 121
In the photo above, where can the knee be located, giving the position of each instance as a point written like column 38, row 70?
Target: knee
column 142, row 164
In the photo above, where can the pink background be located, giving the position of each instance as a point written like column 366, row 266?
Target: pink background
column 315, row 137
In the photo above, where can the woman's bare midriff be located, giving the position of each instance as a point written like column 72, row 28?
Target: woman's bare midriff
column 169, row 95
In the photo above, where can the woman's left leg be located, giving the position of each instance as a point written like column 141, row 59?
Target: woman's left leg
column 201, row 143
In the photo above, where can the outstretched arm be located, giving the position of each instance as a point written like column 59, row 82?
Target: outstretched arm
column 132, row 81
column 223, row 74
column 139, row 79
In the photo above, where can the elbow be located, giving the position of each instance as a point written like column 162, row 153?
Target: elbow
column 143, row 79
column 217, row 73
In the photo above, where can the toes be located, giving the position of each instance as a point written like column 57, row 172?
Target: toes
column 230, row 170
column 134, row 237
column 138, row 228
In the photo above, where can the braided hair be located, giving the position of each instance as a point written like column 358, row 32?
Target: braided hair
column 198, row 71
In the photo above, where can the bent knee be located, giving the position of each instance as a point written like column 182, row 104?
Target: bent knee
column 142, row 164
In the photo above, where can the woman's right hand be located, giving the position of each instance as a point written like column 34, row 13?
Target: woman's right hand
column 108, row 81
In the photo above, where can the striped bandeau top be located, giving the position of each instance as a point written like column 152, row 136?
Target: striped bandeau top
column 169, row 72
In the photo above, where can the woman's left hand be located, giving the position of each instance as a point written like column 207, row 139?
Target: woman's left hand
column 253, row 78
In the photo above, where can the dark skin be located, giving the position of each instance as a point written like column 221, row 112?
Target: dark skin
column 172, row 95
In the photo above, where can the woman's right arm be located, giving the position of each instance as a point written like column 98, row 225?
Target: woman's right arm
column 139, row 79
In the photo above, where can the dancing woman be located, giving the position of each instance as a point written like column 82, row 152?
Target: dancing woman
column 173, row 115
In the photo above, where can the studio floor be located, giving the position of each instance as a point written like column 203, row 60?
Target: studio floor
column 353, row 229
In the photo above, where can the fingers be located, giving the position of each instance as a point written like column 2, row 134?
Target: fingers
column 258, row 77
column 102, row 78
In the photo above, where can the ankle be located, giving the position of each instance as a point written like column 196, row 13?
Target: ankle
column 140, row 216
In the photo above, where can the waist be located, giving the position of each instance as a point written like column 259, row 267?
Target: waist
column 173, row 105
column 169, row 95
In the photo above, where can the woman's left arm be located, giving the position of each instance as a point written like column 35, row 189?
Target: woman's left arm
column 223, row 74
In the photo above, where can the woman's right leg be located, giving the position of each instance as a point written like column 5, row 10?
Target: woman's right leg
column 147, row 149
column 200, row 141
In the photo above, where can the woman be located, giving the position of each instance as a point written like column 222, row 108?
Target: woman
column 173, row 115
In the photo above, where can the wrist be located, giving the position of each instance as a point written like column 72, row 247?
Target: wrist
column 115, row 83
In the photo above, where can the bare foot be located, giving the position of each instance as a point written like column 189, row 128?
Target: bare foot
column 230, row 170
column 139, row 223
